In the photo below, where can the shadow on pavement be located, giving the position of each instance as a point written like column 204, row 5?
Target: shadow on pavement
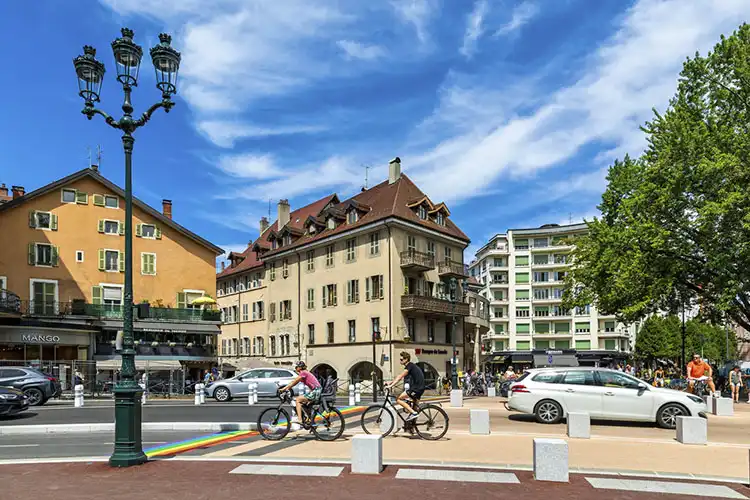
column 521, row 417
column 21, row 416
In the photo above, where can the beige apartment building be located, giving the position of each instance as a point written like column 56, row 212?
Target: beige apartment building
column 322, row 279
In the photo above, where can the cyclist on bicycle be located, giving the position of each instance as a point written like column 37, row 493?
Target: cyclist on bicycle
column 312, row 383
column 698, row 369
column 415, row 379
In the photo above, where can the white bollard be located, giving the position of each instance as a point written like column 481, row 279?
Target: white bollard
column 579, row 425
column 367, row 454
column 722, row 407
column 357, row 393
column 551, row 460
column 491, row 392
column 352, row 401
column 457, row 398
column 143, row 394
column 250, row 396
column 255, row 393
column 479, row 421
column 692, row 430
column 203, row 393
column 78, row 396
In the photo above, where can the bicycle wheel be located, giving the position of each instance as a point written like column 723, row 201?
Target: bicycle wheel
column 431, row 422
column 377, row 419
column 328, row 426
column 274, row 424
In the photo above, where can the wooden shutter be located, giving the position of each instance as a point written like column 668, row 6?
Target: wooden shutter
column 121, row 227
column 99, row 200
column 121, row 259
column 335, row 298
column 101, row 259
column 157, row 233
column 82, row 198
column 380, row 283
column 101, row 225
column 138, row 230
column 32, row 254
column 324, row 294
column 55, row 256
column 367, row 288
column 53, row 222
column 144, row 263
column 152, row 264
column 32, row 218
column 96, row 295
column 181, row 300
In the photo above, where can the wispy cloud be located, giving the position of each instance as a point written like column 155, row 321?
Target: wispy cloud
column 356, row 50
column 521, row 15
column 474, row 28
column 417, row 13
column 250, row 166
column 225, row 133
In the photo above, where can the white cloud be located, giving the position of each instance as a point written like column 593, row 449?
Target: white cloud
column 250, row 166
column 225, row 133
column 521, row 15
column 417, row 13
column 356, row 50
column 623, row 79
column 474, row 28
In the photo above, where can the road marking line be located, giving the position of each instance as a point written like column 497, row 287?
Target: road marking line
column 18, row 445
column 458, row 475
column 288, row 470
column 702, row 490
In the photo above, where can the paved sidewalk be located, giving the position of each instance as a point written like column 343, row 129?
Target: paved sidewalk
column 167, row 480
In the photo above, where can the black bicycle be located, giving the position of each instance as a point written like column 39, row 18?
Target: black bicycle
column 431, row 422
column 322, row 419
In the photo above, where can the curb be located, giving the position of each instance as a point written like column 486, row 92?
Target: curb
column 146, row 426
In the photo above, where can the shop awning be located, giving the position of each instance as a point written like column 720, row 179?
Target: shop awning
column 140, row 364
column 545, row 360
column 521, row 358
column 494, row 359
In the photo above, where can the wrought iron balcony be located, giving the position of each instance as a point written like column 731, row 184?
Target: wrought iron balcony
column 74, row 308
column 417, row 261
column 451, row 269
column 10, row 303
column 433, row 305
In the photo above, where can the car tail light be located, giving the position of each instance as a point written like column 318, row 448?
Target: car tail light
column 52, row 379
column 519, row 388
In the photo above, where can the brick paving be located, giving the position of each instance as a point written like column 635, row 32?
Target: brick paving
column 165, row 480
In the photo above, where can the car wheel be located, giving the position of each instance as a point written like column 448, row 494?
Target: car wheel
column 222, row 394
column 666, row 417
column 548, row 412
column 36, row 397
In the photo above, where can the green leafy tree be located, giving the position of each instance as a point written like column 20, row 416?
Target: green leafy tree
column 657, row 338
column 675, row 223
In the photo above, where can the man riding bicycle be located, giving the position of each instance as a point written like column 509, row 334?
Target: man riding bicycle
column 312, row 383
column 415, row 379
column 698, row 369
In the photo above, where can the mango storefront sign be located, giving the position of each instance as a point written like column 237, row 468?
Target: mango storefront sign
column 40, row 339
column 45, row 336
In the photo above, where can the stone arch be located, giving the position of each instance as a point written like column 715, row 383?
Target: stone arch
column 362, row 372
column 320, row 370
column 431, row 375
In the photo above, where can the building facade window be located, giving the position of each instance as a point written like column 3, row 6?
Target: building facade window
column 111, row 201
column 431, row 330
column 440, row 219
column 411, row 243
column 285, row 269
column 310, row 299
column 311, row 334
column 148, row 264
column 422, row 212
column 285, row 310
column 245, row 312
column 331, row 337
column 272, row 312
column 272, row 272
column 375, row 326
column 352, row 216
column 258, row 310
column 351, row 250
column 375, row 243
column 330, row 252
column 329, row 295
column 352, row 292
column 431, row 248
column 374, row 287
column 447, row 253
column 352, row 331
column 311, row 260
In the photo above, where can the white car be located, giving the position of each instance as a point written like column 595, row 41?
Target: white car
column 551, row 393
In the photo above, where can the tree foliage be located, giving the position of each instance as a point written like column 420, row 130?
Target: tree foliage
column 675, row 224
column 661, row 338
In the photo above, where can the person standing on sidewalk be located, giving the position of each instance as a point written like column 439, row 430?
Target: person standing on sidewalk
column 735, row 383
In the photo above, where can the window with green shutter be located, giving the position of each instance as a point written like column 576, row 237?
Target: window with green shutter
column 583, row 327
column 499, row 345
column 96, row 295
column 522, row 244
column 583, row 345
column 541, row 344
column 499, row 295
column 562, row 344
column 121, row 260
column 148, row 263
column 522, row 294
column 82, row 198
column 102, row 262
column 99, row 200
column 523, row 328
column 562, row 327
column 523, row 345
column 609, row 344
column 101, row 226
column 522, row 277
column 541, row 327
column 522, row 260
column 609, row 326
column 182, row 301
column 499, row 328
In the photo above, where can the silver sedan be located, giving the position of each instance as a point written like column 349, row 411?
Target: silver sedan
column 268, row 379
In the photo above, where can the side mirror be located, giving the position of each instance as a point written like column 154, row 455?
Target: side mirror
column 642, row 387
column 239, row 378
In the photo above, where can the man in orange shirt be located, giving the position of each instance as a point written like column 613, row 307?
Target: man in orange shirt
column 698, row 369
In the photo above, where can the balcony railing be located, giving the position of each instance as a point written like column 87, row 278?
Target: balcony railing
column 9, row 303
column 114, row 311
column 174, row 314
column 421, row 303
column 143, row 348
column 449, row 268
column 417, row 260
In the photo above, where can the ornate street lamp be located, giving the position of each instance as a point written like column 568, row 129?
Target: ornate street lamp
column 128, row 444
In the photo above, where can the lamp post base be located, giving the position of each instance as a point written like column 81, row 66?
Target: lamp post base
column 128, row 440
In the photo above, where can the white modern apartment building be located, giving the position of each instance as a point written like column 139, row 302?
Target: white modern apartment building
column 522, row 273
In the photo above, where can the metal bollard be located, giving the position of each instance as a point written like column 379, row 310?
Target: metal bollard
column 357, row 393
column 352, row 401
column 197, row 398
column 203, row 393
column 255, row 393
column 78, row 396
column 143, row 394
column 250, row 396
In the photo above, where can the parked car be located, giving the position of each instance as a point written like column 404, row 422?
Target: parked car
column 56, row 385
column 551, row 393
column 37, row 386
column 268, row 379
column 12, row 402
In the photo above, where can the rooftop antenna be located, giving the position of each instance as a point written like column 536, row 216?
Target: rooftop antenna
column 99, row 152
column 570, row 217
column 269, row 209
column 367, row 174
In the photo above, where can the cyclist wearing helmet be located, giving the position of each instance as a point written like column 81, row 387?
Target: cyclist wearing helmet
column 307, row 378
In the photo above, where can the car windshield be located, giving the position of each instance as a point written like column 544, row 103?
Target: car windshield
column 618, row 379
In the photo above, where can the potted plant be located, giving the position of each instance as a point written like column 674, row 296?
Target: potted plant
column 154, row 344
column 172, row 344
column 78, row 307
column 189, row 345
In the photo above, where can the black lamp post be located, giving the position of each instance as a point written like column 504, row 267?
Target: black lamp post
column 128, row 444
column 454, row 363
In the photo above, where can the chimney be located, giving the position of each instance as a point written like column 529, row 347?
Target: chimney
column 18, row 191
column 394, row 170
column 222, row 266
column 95, row 168
column 3, row 190
column 166, row 208
column 283, row 213
column 263, row 224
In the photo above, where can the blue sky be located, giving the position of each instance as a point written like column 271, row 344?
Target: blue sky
column 509, row 111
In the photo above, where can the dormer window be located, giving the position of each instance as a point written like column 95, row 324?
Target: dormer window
column 331, row 223
column 274, row 244
column 352, row 217
column 311, row 229
column 422, row 212
column 288, row 239
column 440, row 218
